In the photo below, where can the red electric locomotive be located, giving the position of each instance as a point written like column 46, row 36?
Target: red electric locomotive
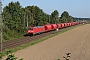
column 36, row 30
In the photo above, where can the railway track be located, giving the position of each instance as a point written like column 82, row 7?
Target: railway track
column 25, row 40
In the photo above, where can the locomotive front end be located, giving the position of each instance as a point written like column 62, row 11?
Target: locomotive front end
column 30, row 31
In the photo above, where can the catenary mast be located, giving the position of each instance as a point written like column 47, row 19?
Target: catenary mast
column 1, row 25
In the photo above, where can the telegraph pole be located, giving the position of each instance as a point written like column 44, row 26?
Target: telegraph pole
column 1, row 23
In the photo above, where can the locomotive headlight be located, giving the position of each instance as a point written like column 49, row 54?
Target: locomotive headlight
column 31, row 31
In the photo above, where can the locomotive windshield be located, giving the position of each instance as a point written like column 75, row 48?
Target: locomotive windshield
column 30, row 28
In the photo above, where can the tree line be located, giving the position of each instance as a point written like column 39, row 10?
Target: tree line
column 16, row 19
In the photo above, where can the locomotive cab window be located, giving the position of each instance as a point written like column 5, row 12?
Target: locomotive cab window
column 30, row 29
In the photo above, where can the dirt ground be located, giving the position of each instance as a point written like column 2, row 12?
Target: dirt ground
column 75, row 41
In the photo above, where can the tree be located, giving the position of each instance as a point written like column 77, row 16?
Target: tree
column 54, row 16
column 36, row 16
column 71, row 19
column 65, row 17
column 12, row 19
column 65, row 14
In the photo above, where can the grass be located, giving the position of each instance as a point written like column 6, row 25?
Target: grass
column 37, row 41
column 89, row 22
column 12, row 38
column 58, row 59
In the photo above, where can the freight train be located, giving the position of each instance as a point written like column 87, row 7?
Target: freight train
column 33, row 30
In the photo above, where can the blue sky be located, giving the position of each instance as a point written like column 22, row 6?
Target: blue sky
column 76, row 8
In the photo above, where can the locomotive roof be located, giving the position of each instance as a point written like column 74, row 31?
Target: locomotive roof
column 37, row 27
